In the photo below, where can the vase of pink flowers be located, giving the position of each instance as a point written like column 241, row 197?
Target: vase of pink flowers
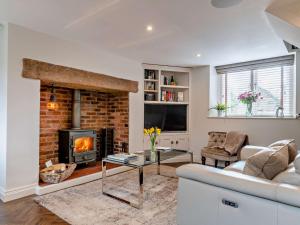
column 248, row 98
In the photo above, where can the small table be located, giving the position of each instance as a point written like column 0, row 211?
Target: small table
column 139, row 163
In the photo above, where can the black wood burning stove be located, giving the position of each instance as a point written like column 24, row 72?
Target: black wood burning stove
column 77, row 145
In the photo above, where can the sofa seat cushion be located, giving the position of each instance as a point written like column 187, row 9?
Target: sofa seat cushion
column 267, row 163
column 289, row 176
column 218, row 153
column 236, row 167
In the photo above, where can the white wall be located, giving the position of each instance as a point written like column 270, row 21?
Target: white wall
column 23, row 98
column 3, row 105
column 260, row 131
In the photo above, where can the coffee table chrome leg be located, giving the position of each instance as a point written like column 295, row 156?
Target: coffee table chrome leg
column 141, row 183
column 138, row 205
column 103, row 175
column 158, row 162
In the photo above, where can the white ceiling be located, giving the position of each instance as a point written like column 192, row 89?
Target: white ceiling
column 182, row 28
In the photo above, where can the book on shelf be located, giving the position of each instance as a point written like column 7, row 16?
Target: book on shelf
column 122, row 157
column 169, row 96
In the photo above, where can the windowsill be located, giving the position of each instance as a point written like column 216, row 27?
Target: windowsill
column 252, row 117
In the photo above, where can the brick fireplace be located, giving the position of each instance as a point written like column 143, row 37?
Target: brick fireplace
column 98, row 110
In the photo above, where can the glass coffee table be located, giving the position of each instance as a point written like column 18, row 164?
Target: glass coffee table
column 139, row 163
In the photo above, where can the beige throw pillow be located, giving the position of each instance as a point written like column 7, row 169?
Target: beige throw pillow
column 267, row 163
column 292, row 148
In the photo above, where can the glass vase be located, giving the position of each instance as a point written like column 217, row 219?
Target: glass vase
column 153, row 153
column 249, row 109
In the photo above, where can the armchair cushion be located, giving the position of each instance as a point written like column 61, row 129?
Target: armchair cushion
column 216, row 139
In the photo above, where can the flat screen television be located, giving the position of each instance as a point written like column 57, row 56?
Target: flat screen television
column 166, row 117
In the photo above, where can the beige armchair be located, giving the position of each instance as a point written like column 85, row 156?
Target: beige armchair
column 215, row 149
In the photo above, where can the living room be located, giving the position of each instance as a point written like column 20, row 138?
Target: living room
column 144, row 64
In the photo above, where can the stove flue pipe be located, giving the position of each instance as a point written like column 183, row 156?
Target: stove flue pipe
column 76, row 110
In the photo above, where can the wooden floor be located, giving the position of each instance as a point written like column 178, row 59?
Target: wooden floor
column 27, row 212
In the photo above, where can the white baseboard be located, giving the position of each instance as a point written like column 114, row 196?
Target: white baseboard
column 41, row 190
column 16, row 193
column 20, row 192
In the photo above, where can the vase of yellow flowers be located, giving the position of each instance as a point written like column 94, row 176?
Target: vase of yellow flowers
column 153, row 133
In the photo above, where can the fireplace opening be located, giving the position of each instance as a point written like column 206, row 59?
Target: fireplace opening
column 86, row 127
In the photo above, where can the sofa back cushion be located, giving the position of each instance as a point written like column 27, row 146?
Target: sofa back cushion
column 292, row 148
column 297, row 164
column 267, row 163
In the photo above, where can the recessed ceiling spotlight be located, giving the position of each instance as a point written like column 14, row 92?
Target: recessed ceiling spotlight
column 149, row 28
column 225, row 3
column 198, row 55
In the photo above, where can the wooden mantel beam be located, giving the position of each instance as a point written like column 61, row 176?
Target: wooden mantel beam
column 62, row 76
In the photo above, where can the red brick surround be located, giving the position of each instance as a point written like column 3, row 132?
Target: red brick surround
column 98, row 110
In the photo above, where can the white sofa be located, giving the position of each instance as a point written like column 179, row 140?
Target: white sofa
column 210, row 196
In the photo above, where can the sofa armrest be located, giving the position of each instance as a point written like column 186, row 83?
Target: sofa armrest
column 228, row 179
column 249, row 150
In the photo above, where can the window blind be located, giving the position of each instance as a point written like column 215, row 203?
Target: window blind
column 287, row 60
column 275, row 82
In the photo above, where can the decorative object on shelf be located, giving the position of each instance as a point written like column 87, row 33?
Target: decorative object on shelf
column 52, row 104
column 151, row 75
column 172, row 82
column 221, row 108
column 248, row 98
column 57, row 173
column 180, row 96
column 149, row 97
column 165, row 80
column 150, row 86
column 153, row 133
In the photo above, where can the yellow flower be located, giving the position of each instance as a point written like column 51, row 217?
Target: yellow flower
column 145, row 132
column 158, row 131
column 151, row 130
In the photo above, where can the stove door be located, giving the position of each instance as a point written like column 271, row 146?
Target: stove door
column 83, row 144
column 84, row 150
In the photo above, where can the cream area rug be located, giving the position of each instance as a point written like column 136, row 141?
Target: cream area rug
column 86, row 205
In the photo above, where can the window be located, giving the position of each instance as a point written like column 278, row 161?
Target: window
column 273, row 78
